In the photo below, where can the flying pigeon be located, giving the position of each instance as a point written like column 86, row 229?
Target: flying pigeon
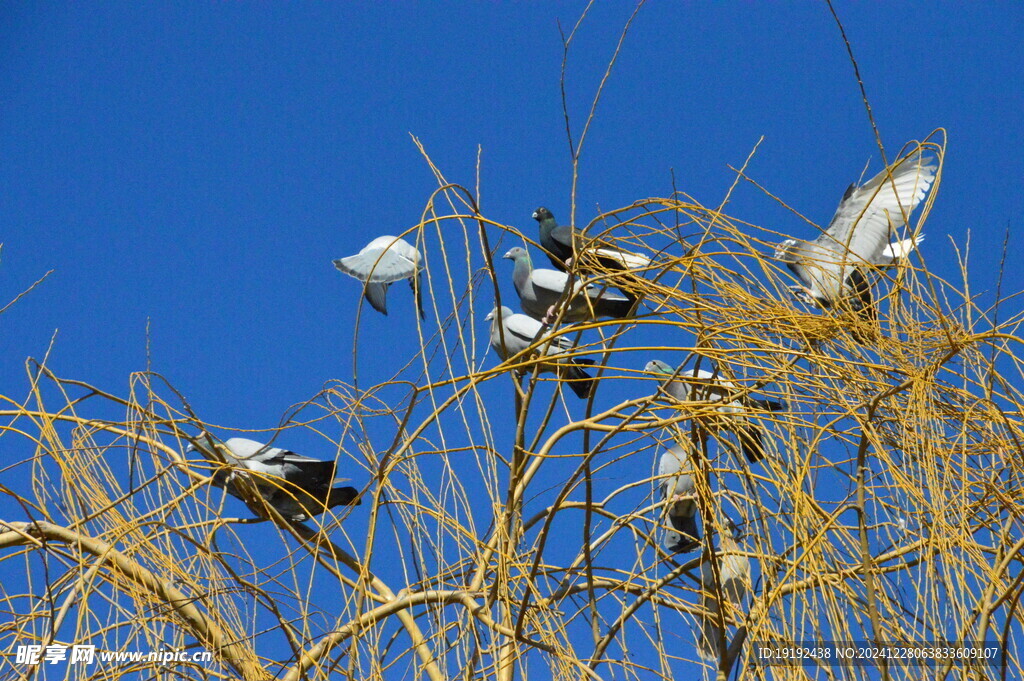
column 830, row 268
column 733, row 578
column 382, row 262
column 699, row 385
column 677, row 485
column 558, row 241
column 298, row 487
column 540, row 290
column 519, row 333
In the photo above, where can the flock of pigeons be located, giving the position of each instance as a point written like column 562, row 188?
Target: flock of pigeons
column 832, row 271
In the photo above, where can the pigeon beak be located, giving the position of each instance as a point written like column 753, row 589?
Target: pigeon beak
column 508, row 255
column 490, row 316
column 534, row 216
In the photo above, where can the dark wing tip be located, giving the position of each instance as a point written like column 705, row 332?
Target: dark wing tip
column 344, row 496
column 579, row 380
column 751, row 442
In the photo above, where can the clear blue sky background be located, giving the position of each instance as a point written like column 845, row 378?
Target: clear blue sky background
column 197, row 166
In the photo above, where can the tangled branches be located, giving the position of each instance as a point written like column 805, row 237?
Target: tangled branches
column 506, row 530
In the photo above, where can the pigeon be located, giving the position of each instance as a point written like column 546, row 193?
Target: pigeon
column 519, row 334
column 677, row 485
column 540, row 290
column 830, row 268
column 298, row 487
column 382, row 262
column 558, row 241
column 732, row 583
column 699, row 385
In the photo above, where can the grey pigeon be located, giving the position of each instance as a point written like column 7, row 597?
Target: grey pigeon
column 298, row 487
column 732, row 584
column 677, row 486
column 382, row 262
column 519, row 334
column 560, row 242
column 540, row 290
column 699, row 385
column 830, row 268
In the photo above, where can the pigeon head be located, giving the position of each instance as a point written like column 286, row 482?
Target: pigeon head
column 205, row 441
column 505, row 312
column 732, row 528
column 542, row 213
column 786, row 251
column 656, row 366
column 516, row 253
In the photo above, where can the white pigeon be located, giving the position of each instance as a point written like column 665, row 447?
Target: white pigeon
column 519, row 334
column 733, row 583
column 382, row 262
column 831, row 268
column 297, row 486
column 699, row 385
column 677, row 486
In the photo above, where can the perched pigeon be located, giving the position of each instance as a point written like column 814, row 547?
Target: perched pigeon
column 732, row 584
column 558, row 241
column 698, row 385
column 677, row 485
column 519, row 333
column 830, row 268
column 540, row 289
column 382, row 262
column 297, row 486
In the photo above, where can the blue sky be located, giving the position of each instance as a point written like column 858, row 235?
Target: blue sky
column 199, row 167
column 195, row 167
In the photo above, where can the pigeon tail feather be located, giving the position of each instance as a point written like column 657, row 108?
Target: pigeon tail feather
column 417, row 290
column 768, row 405
column 616, row 309
column 751, row 442
column 579, row 380
column 343, row 496
column 686, row 536
column 708, row 632
column 376, row 295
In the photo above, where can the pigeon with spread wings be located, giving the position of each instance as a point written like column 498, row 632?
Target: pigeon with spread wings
column 382, row 262
column 831, row 268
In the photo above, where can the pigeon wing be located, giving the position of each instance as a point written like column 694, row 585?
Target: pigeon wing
column 867, row 214
column 550, row 282
column 378, row 266
column 563, row 236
